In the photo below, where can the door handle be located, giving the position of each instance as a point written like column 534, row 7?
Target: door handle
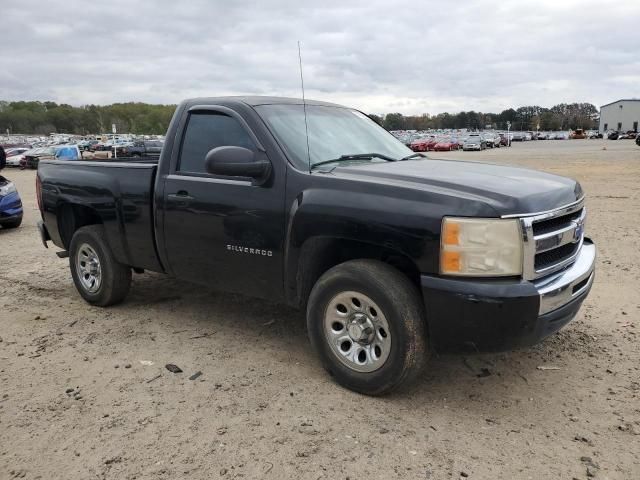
column 182, row 196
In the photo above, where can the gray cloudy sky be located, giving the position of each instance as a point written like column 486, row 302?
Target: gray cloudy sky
column 377, row 55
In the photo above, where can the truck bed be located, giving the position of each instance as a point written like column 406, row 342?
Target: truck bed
column 119, row 192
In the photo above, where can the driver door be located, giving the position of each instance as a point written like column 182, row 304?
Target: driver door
column 223, row 231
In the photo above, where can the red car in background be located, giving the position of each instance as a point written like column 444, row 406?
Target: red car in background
column 445, row 145
column 424, row 144
column 420, row 145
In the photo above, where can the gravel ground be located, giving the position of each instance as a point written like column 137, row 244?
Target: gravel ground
column 84, row 393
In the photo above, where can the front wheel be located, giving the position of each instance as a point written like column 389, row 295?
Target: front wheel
column 98, row 277
column 365, row 320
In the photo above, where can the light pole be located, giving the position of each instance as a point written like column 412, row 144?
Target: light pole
column 508, row 135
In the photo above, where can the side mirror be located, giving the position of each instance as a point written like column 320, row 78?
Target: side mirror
column 236, row 162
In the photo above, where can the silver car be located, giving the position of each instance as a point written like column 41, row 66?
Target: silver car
column 474, row 141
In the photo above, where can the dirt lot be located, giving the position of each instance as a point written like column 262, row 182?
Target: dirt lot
column 263, row 408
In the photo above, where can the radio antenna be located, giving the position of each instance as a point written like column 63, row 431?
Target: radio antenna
column 304, row 107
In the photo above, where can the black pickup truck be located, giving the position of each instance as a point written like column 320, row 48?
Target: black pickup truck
column 392, row 254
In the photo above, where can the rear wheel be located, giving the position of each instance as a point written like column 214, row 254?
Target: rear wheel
column 98, row 277
column 365, row 319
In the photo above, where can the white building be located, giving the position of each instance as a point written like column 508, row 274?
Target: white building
column 622, row 115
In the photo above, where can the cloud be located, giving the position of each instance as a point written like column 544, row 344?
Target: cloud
column 380, row 56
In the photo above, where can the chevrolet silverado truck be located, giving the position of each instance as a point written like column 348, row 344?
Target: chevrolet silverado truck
column 393, row 255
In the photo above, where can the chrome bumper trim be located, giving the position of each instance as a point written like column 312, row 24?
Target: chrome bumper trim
column 558, row 289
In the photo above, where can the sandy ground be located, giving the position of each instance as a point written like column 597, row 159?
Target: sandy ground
column 263, row 407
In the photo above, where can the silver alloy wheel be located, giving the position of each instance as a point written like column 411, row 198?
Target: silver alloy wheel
column 88, row 268
column 357, row 331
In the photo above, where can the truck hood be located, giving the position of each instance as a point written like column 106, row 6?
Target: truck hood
column 508, row 190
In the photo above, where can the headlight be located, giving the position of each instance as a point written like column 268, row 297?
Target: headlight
column 7, row 189
column 480, row 247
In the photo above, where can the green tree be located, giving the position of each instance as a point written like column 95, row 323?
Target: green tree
column 375, row 118
column 394, row 121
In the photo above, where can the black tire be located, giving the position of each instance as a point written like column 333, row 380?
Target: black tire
column 401, row 305
column 115, row 277
column 12, row 223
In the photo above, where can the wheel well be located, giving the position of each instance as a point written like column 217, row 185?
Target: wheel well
column 71, row 217
column 320, row 254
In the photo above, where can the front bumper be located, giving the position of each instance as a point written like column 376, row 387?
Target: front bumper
column 503, row 314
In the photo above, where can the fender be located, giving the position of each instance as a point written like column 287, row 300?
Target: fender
column 321, row 220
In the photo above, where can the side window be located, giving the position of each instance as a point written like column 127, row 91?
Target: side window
column 208, row 130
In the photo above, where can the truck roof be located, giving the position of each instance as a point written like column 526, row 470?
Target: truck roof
column 258, row 100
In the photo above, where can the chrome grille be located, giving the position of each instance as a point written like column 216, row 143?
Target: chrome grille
column 552, row 240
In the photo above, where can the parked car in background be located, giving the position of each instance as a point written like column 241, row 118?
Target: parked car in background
column 492, row 139
column 85, row 145
column 10, row 152
column 578, row 134
column 146, row 148
column 638, row 139
column 613, row 135
column 459, row 141
column 445, row 145
column 68, row 152
column 101, row 146
column 474, row 141
column 10, row 205
column 423, row 144
column 121, row 149
column 15, row 160
column 14, row 155
column 33, row 157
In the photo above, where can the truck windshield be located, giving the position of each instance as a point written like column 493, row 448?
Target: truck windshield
column 333, row 132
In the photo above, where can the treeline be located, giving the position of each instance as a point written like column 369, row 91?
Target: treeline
column 49, row 117
column 143, row 118
column 559, row 117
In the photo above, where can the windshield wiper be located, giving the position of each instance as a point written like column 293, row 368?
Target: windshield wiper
column 356, row 156
column 413, row 155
